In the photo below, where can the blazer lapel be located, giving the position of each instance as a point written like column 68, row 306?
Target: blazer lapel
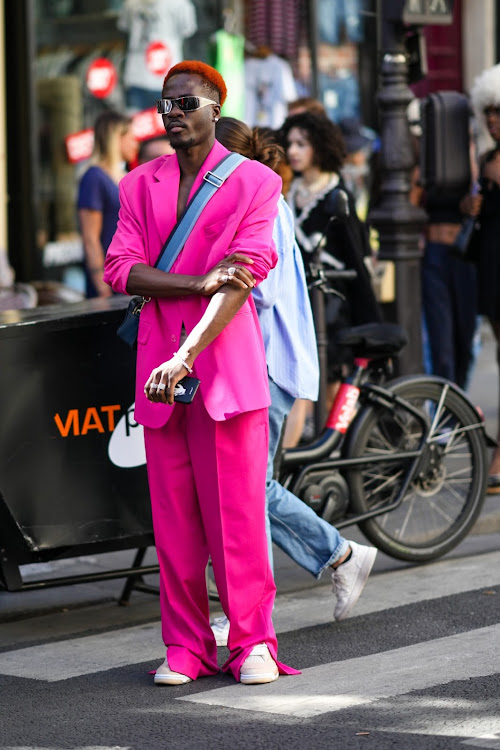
column 164, row 192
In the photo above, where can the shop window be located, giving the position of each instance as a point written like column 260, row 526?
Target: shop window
column 86, row 54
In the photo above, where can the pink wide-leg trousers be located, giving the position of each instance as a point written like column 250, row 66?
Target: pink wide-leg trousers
column 207, row 486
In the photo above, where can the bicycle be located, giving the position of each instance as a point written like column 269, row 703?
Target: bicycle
column 405, row 459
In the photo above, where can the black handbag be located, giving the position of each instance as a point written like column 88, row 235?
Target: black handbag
column 466, row 245
column 129, row 327
column 212, row 181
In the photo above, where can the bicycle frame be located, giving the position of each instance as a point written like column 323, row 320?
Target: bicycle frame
column 296, row 463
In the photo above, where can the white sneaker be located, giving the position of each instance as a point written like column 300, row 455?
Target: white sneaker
column 165, row 676
column 259, row 667
column 220, row 629
column 348, row 579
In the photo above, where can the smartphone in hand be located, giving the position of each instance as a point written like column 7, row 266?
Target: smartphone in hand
column 185, row 390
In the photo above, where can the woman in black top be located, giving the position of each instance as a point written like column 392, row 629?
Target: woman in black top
column 315, row 151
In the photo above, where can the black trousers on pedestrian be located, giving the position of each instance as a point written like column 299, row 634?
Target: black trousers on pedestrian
column 449, row 292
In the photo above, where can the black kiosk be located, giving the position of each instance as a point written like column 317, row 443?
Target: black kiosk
column 72, row 464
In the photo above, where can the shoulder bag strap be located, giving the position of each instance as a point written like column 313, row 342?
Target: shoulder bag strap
column 212, row 181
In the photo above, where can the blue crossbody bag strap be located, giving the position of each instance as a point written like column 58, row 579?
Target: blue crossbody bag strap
column 212, row 181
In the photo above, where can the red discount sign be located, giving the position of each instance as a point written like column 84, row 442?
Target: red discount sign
column 147, row 124
column 101, row 77
column 79, row 145
column 158, row 58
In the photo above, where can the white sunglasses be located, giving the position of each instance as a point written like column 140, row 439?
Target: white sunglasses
column 184, row 103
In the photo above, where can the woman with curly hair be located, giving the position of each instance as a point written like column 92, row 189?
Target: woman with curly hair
column 315, row 150
column 485, row 97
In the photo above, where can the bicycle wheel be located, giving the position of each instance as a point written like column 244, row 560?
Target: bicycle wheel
column 447, row 492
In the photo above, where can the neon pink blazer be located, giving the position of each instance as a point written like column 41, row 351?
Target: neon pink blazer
column 238, row 218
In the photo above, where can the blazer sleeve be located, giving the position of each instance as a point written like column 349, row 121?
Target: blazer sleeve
column 254, row 236
column 127, row 247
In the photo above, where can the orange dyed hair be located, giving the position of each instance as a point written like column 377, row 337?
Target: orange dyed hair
column 209, row 74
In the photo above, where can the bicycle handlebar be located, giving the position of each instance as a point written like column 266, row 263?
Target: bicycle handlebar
column 347, row 274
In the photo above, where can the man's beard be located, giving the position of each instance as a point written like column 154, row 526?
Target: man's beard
column 183, row 145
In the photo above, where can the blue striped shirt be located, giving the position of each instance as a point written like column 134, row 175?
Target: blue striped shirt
column 285, row 315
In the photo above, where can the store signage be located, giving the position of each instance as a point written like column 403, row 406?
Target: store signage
column 79, row 145
column 62, row 252
column 146, row 124
column 101, row 77
column 428, row 12
column 158, row 58
column 126, row 437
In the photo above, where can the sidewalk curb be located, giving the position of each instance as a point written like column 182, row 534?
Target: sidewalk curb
column 488, row 522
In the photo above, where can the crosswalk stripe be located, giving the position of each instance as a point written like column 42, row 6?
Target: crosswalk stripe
column 80, row 656
column 491, row 743
column 63, row 660
column 354, row 682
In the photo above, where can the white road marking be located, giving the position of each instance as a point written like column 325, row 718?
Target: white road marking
column 79, row 656
column 474, row 718
column 63, row 660
column 486, row 741
column 353, row 682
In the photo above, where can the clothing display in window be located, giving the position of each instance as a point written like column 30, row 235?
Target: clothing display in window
column 92, row 105
column 229, row 60
column 341, row 19
column 277, row 24
column 269, row 86
column 153, row 24
column 340, row 95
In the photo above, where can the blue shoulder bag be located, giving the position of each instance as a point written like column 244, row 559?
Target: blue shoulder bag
column 212, row 181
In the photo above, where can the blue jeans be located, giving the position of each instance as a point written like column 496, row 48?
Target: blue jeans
column 305, row 537
column 335, row 14
column 449, row 303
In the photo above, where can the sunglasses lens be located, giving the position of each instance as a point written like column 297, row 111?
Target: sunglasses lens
column 188, row 103
column 163, row 106
column 184, row 103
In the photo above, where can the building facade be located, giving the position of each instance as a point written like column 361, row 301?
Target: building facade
column 65, row 61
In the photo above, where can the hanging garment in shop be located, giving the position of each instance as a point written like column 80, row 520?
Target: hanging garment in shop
column 156, row 30
column 276, row 24
column 269, row 86
column 341, row 19
column 340, row 95
column 229, row 60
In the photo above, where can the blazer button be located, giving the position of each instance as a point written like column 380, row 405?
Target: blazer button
column 173, row 338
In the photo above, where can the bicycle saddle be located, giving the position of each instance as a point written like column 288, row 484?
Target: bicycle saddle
column 374, row 339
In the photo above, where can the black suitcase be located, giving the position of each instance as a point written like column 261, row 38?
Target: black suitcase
column 444, row 154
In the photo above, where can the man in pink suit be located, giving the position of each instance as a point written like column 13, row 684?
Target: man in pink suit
column 207, row 460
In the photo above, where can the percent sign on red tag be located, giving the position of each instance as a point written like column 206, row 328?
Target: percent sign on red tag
column 101, row 77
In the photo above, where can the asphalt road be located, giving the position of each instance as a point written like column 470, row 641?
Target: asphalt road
column 417, row 665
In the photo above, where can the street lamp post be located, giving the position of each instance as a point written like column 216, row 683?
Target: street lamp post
column 398, row 222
